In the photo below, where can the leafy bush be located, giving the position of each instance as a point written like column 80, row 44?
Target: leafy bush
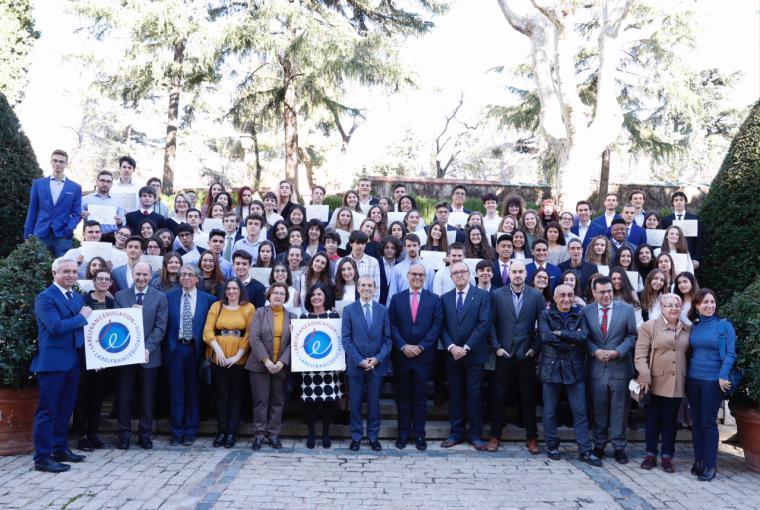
column 744, row 313
column 729, row 218
column 23, row 274
column 18, row 167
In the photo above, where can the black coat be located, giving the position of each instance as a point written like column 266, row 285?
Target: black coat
column 563, row 357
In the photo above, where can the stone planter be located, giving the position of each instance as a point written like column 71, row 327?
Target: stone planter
column 17, row 408
column 748, row 427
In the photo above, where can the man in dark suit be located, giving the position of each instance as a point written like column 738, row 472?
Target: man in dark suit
column 147, row 198
column 612, row 337
column 188, row 308
column 122, row 275
column 540, row 251
column 635, row 234
column 504, row 248
column 586, row 229
column 617, row 236
column 154, row 312
column 466, row 322
column 610, row 212
column 415, row 316
column 60, row 315
column 513, row 338
column 366, row 336
column 583, row 270
column 55, row 207
column 679, row 201
column 254, row 290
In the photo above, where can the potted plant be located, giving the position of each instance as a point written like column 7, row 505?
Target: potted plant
column 23, row 275
column 744, row 312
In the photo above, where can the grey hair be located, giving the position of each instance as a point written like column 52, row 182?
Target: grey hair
column 670, row 295
column 57, row 263
column 195, row 269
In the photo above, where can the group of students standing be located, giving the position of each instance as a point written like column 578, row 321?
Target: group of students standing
column 534, row 295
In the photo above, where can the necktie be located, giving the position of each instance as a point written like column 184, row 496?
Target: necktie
column 368, row 316
column 69, row 295
column 679, row 216
column 146, row 213
column 460, row 303
column 415, row 305
column 187, row 318
column 604, row 320
column 140, row 297
column 505, row 274
column 228, row 248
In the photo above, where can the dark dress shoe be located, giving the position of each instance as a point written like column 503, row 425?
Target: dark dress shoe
column 219, row 440
column 420, row 444
column 188, row 441
column 275, row 442
column 667, row 465
column 450, row 443
column 354, row 446
column 229, row 441
column 146, row 443
column 258, row 442
column 650, row 462
column 326, row 442
column 311, row 442
column 554, row 454
column 96, row 442
column 85, row 445
column 175, row 441
column 620, row 457
column 591, row 459
column 401, row 443
column 599, row 452
column 707, row 475
column 51, row 466
column 67, row 456
column 375, row 445
column 698, row 467
column 123, row 444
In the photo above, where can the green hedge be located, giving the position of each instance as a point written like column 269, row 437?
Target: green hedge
column 744, row 313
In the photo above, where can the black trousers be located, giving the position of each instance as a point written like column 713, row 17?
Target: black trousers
column 411, row 390
column 313, row 410
column 92, row 390
column 514, row 375
column 145, row 379
column 228, row 385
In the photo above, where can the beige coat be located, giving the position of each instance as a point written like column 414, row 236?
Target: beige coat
column 668, row 374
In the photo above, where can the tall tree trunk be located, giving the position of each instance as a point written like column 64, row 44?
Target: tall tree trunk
column 290, row 121
column 170, row 149
column 304, row 157
column 604, row 179
column 257, row 161
column 574, row 173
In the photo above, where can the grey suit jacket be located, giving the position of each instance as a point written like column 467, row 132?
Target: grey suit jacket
column 514, row 334
column 155, row 312
column 621, row 337
column 261, row 339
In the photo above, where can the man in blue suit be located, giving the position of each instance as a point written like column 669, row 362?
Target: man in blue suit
column 366, row 335
column 188, row 308
column 416, row 315
column 61, row 316
column 55, row 207
column 610, row 212
column 540, row 250
column 635, row 235
column 586, row 229
column 466, row 323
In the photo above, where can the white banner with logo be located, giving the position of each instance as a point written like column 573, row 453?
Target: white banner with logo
column 114, row 338
column 315, row 345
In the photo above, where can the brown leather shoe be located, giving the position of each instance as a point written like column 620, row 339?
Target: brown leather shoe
column 667, row 465
column 492, row 445
column 532, row 445
column 450, row 443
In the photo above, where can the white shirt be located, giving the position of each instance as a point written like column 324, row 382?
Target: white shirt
column 63, row 291
column 128, row 272
column 144, row 292
column 193, row 300
column 503, row 265
column 56, row 188
column 583, row 229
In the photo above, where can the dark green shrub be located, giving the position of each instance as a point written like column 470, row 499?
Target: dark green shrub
column 18, row 167
column 744, row 313
column 730, row 225
column 23, row 274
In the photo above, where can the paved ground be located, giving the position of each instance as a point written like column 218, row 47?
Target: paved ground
column 204, row 477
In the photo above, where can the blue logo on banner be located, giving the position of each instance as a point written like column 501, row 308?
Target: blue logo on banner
column 317, row 344
column 114, row 337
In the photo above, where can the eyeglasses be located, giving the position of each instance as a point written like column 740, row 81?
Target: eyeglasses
column 59, row 161
column 122, row 234
column 417, row 275
column 281, row 294
column 279, row 270
column 187, row 275
column 103, row 279
column 461, row 273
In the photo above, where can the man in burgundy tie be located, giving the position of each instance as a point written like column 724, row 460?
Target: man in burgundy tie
column 145, row 212
column 415, row 316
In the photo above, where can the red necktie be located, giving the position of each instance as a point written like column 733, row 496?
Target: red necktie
column 604, row 320
column 145, row 213
column 415, row 305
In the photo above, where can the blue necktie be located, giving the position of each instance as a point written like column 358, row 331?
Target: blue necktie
column 69, row 295
column 368, row 316
column 140, row 298
column 460, row 304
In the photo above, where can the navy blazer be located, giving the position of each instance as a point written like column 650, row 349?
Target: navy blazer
column 203, row 303
column 594, row 229
column 424, row 332
column 472, row 328
column 583, row 273
column 256, row 293
column 360, row 342
column 135, row 219
column 695, row 244
column 496, row 281
column 60, row 330
column 62, row 218
column 555, row 275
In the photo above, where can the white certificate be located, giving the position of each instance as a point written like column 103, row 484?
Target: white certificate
column 317, row 212
column 458, row 219
column 114, row 338
column 85, row 285
column 261, row 275
column 471, row 263
column 103, row 214
column 633, row 277
column 395, row 216
column 210, row 224
column 451, row 236
column 422, row 235
column 154, row 261
column 690, row 228
column 316, row 345
column 90, row 249
column 605, row 270
column 343, row 238
column 191, row 257
column 127, row 201
column 655, row 237
column 680, row 261
column 273, row 218
column 433, row 259
column 358, row 218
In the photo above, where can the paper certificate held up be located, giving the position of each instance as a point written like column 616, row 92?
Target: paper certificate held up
column 103, row 214
column 317, row 212
column 690, row 228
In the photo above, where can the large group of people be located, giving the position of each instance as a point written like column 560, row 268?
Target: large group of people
column 510, row 305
